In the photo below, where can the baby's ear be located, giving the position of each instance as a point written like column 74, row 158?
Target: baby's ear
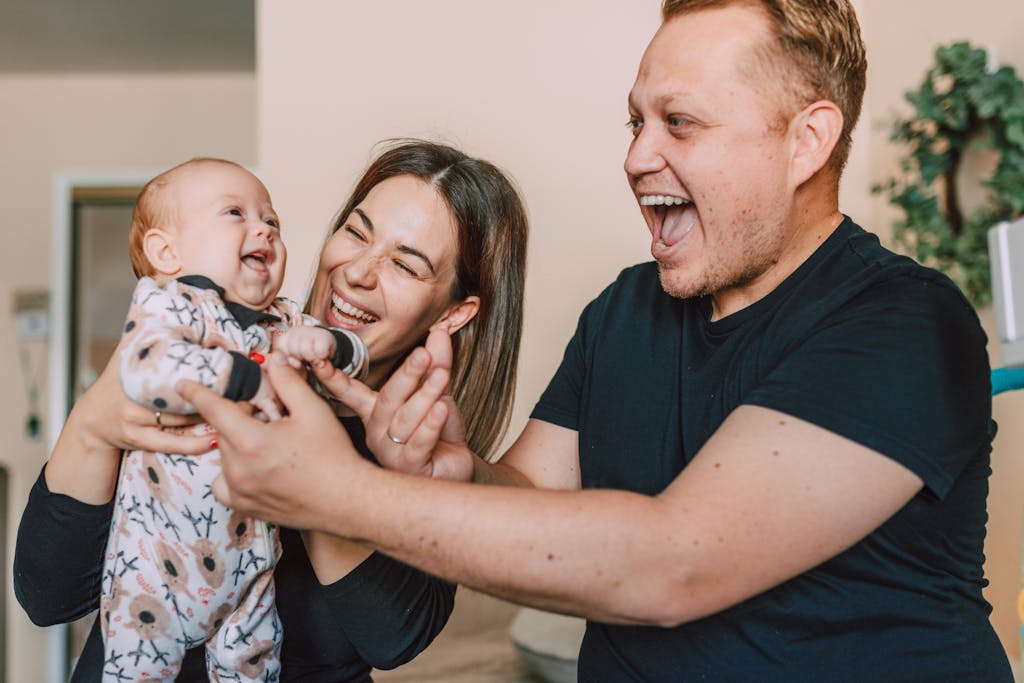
column 158, row 245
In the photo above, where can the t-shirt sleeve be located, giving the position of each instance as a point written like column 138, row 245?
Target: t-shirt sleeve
column 903, row 370
column 560, row 402
column 389, row 611
column 58, row 559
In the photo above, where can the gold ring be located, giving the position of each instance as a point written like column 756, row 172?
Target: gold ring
column 158, row 422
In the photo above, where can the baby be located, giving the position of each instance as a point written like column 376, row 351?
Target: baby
column 180, row 568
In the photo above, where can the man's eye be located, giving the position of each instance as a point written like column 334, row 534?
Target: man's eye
column 676, row 121
column 634, row 124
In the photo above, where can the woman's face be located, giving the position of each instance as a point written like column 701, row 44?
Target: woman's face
column 387, row 273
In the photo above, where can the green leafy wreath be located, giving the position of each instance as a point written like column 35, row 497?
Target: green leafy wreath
column 960, row 103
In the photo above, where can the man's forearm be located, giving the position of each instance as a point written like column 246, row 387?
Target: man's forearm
column 576, row 552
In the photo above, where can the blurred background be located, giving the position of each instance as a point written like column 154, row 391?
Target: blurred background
column 97, row 97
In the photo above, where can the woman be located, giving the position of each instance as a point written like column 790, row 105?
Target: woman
column 430, row 240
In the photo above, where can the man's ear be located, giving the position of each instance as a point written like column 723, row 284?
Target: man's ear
column 158, row 246
column 458, row 315
column 816, row 129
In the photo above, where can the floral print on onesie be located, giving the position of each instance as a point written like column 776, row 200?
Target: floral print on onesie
column 180, row 568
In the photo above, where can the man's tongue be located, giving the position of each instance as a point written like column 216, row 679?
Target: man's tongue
column 677, row 222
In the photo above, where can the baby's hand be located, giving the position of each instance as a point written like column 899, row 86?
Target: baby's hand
column 309, row 344
column 266, row 401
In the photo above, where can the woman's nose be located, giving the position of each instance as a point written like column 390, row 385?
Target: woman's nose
column 361, row 270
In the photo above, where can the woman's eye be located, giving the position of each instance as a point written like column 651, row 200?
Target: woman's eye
column 355, row 233
column 406, row 269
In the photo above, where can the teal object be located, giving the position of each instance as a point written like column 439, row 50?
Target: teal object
column 1007, row 379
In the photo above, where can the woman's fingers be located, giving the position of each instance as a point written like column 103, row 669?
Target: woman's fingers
column 414, row 410
column 439, row 344
column 136, row 414
column 353, row 393
column 173, row 440
column 454, row 431
column 417, row 454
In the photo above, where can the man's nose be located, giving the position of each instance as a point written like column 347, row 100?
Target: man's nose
column 644, row 155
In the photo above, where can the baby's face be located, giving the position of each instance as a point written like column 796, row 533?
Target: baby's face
column 225, row 228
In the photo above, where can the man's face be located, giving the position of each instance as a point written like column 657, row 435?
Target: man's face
column 709, row 162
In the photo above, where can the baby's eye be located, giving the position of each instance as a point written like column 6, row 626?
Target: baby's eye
column 273, row 222
column 235, row 212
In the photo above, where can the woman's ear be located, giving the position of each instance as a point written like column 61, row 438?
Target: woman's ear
column 158, row 246
column 457, row 315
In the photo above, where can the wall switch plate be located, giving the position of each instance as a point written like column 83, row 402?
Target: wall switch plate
column 32, row 314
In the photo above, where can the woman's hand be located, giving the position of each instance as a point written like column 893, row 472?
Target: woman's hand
column 412, row 424
column 102, row 424
column 286, row 471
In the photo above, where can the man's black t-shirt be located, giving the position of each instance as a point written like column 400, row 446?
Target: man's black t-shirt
column 859, row 341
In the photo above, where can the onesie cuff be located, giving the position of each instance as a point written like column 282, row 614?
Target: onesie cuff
column 244, row 380
column 350, row 354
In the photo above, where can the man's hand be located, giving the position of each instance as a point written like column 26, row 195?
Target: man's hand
column 265, row 401
column 290, row 471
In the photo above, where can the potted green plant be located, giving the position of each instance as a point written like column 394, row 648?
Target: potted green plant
column 962, row 102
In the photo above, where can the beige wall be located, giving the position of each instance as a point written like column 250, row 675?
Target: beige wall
column 540, row 89
column 540, row 92
column 53, row 123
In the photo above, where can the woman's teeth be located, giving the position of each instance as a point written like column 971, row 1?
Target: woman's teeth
column 351, row 311
column 660, row 200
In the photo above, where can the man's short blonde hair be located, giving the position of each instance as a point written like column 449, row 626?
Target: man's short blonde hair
column 817, row 40
column 153, row 210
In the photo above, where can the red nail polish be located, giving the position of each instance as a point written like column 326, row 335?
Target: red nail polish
column 257, row 356
column 213, row 443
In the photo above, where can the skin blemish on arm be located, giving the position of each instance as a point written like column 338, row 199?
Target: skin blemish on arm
column 775, row 453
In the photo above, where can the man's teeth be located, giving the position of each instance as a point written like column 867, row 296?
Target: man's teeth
column 350, row 310
column 660, row 200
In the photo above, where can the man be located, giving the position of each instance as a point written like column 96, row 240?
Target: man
column 781, row 430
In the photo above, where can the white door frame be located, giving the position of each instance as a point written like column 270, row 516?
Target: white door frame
column 64, row 184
